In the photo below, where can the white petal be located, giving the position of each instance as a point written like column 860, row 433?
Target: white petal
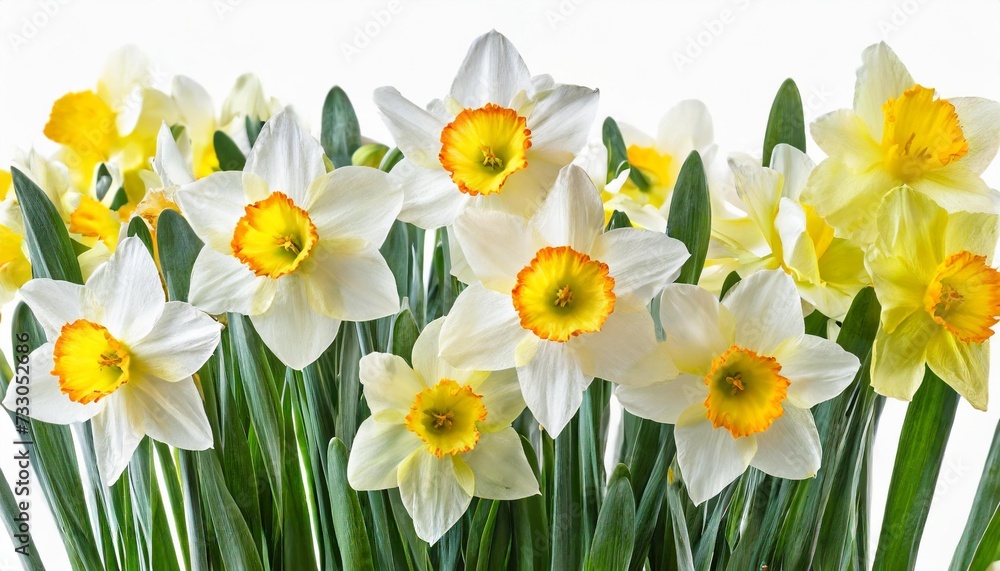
column 698, row 327
column 356, row 202
column 561, row 120
column 286, row 157
column 416, row 132
column 817, row 369
column 195, row 106
column 126, row 291
column 525, row 191
column 220, row 283
column 502, row 472
column 54, row 303
column 497, row 245
column 980, row 120
column 642, row 262
column 115, row 438
column 767, row 311
column 378, row 450
column 46, row 402
column 881, row 77
column 390, row 385
column 169, row 163
column 760, row 190
column 291, row 329
column 351, row 286
column 686, row 127
column 709, row 458
column 790, row 447
column 482, row 331
column 428, row 364
column 572, row 214
column 552, row 384
column 493, row 72
column 170, row 412
column 956, row 189
column 432, row 494
column 213, row 205
column 179, row 344
column 430, row 198
column 844, row 135
column 664, row 401
column 501, row 394
column 795, row 166
column 618, row 351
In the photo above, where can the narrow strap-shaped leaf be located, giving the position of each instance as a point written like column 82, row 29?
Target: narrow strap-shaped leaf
column 614, row 536
column 137, row 227
column 194, row 515
column 652, row 498
column 618, row 155
column 567, row 509
column 989, row 546
column 984, row 505
column 178, row 247
column 18, row 524
column 236, row 544
column 690, row 216
column 49, row 246
column 404, row 335
column 531, row 526
column 340, row 134
column 229, row 154
column 785, row 124
column 922, row 442
column 391, row 158
column 481, row 533
column 348, row 522
column 296, row 531
column 678, row 521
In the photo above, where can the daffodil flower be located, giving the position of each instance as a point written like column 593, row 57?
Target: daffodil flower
column 293, row 247
column 497, row 140
column 121, row 356
column 15, row 269
column 748, row 376
column 442, row 435
column 901, row 132
column 828, row 271
column 558, row 298
column 940, row 296
column 170, row 171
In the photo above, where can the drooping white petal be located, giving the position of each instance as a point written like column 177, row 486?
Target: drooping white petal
column 213, row 205
column 686, row 127
column 493, row 72
column 642, row 262
column 356, row 202
column 45, row 401
column 430, row 198
column 980, row 120
column 881, row 77
column 501, row 470
column 390, row 386
column 432, row 494
column 169, row 163
column 179, row 344
column 290, row 328
column 220, row 283
column 572, row 214
column 552, row 384
column 54, row 303
column 416, row 132
column 482, row 331
column 790, row 447
column 115, row 438
column 170, row 412
column 286, row 156
column 709, row 458
column 818, row 370
column 497, row 245
column 379, row 448
column 126, row 291
column 561, row 120
column 766, row 309
column 663, row 401
column 698, row 327
column 501, row 394
column 349, row 285
column 618, row 352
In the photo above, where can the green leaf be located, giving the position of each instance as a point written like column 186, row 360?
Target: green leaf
column 652, row 498
column 690, row 216
column 235, row 542
column 121, row 199
column 785, row 124
column 618, row 155
column 137, row 227
column 229, row 154
column 914, row 475
column 618, row 220
column 984, row 506
column 682, row 542
column 340, row 134
column 369, row 155
column 49, row 246
column 13, row 520
column 531, row 526
column 103, row 182
column 296, row 529
column 253, row 127
column 390, row 159
column 989, row 546
column 732, row 279
column 348, row 522
column 178, row 247
column 615, row 532
column 404, row 335
column 567, row 510
column 481, row 533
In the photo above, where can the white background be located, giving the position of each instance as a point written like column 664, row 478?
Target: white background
column 738, row 52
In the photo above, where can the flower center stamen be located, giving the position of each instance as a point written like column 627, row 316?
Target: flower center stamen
column 274, row 236
column 89, row 362
column 745, row 392
column 482, row 147
column 964, row 297
column 920, row 134
column 444, row 417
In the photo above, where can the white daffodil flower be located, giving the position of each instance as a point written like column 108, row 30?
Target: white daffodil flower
column 442, row 435
column 120, row 355
column 291, row 246
column 558, row 298
column 748, row 376
column 497, row 140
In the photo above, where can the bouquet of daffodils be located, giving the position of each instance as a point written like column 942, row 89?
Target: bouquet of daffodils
column 490, row 344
